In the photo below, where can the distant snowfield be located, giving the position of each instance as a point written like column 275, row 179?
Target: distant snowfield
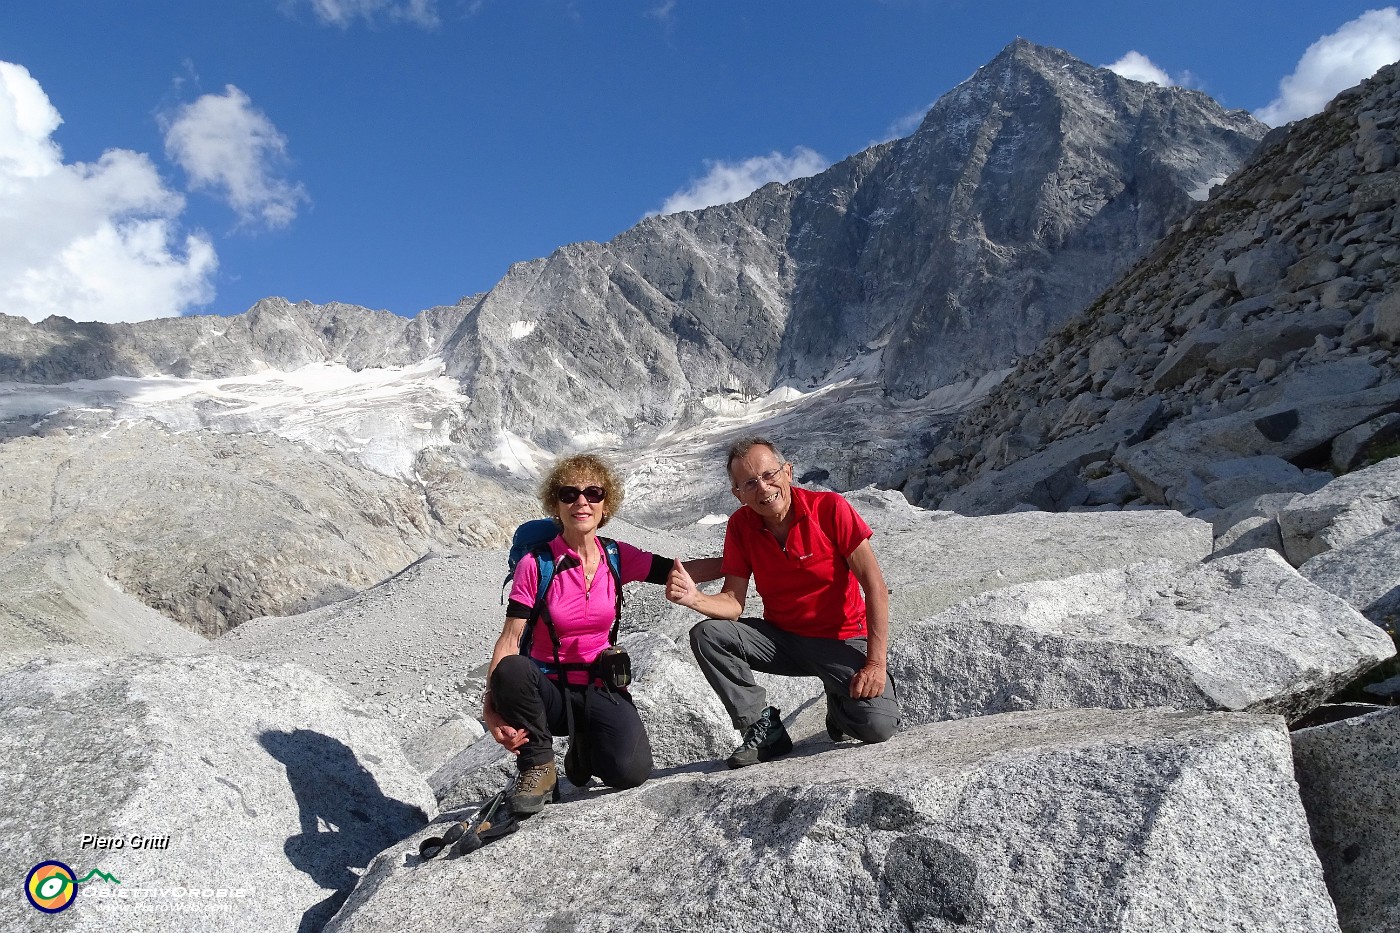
column 384, row 418
column 519, row 456
column 381, row 417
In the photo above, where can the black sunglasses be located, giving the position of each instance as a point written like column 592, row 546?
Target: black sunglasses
column 569, row 494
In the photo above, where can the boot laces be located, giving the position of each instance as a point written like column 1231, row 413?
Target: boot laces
column 532, row 779
column 758, row 733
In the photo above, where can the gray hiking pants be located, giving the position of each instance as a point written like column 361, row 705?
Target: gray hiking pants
column 729, row 652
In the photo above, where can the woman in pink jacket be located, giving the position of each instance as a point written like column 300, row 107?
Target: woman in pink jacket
column 527, row 692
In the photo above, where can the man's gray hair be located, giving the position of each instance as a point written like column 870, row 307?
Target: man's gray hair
column 740, row 449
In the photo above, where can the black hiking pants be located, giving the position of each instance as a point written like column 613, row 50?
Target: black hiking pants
column 612, row 742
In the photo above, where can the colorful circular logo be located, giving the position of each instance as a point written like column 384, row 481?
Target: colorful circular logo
column 51, row 887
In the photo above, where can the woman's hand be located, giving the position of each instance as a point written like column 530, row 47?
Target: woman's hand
column 510, row 738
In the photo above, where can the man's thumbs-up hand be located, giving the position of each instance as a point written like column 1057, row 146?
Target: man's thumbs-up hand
column 680, row 588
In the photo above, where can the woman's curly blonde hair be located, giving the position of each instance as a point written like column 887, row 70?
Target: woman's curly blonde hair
column 576, row 468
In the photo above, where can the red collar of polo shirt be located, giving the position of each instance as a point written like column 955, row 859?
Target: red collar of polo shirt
column 800, row 510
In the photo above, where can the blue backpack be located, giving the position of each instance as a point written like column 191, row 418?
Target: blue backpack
column 533, row 538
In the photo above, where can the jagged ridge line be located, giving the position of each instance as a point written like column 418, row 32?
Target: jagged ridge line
column 101, row 874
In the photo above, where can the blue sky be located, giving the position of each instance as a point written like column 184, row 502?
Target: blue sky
column 402, row 153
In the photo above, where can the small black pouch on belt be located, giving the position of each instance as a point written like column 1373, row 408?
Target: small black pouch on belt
column 613, row 667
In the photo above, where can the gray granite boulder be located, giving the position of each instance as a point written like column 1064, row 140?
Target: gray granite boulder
column 1089, row 820
column 1243, row 632
column 1167, row 466
column 1345, row 510
column 1112, row 489
column 1251, row 524
column 265, row 783
column 1049, row 479
column 934, row 560
column 1366, row 573
column 1388, row 317
column 1272, row 339
column 1347, row 777
column 1186, row 359
column 1249, row 533
column 1230, row 481
column 1258, row 270
column 1351, row 448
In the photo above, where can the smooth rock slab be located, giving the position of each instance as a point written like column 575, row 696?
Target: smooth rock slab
column 1243, row 632
column 933, row 560
column 1347, row 775
column 267, row 780
column 61, row 600
column 1089, row 820
column 1230, row 481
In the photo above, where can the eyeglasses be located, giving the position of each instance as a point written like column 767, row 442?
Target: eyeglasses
column 766, row 476
column 568, row 495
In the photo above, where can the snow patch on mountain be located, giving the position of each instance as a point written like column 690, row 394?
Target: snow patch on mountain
column 518, row 455
column 1203, row 192
column 381, row 418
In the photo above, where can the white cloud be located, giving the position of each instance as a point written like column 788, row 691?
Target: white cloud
column 1334, row 63
column 725, row 182
column 90, row 241
column 663, row 11
column 1138, row 67
column 904, row 126
column 344, row 12
column 227, row 145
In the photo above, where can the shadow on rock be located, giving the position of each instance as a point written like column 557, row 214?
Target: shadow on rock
column 345, row 819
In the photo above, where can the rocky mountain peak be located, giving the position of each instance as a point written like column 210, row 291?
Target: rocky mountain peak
column 943, row 256
column 919, row 263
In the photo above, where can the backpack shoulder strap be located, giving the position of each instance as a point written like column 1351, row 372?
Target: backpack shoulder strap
column 544, row 562
column 614, row 559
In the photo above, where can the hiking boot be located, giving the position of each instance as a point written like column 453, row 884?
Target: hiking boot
column 763, row 740
column 576, row 767
column 833, row 731
column 533, row 788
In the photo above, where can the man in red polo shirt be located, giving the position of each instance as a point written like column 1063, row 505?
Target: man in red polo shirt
column 809, row 555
